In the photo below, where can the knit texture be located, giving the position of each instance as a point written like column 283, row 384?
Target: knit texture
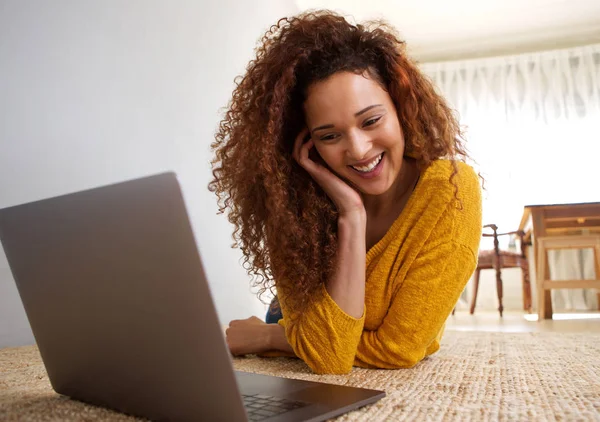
column 414, row 277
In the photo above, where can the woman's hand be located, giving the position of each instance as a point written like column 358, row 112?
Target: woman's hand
column 247, row 336
column 346, row 199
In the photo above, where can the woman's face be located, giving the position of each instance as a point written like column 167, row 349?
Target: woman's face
column 355, row 129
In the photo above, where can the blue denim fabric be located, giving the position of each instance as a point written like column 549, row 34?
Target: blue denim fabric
column 273, row 316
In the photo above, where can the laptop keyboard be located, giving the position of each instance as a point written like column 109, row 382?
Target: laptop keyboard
column 259, row 406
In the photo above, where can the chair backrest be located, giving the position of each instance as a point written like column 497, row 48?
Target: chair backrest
column 496, row 235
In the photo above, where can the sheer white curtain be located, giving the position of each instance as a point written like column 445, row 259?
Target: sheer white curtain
column 532, row 127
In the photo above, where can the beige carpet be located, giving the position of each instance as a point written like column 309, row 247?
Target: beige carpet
column 474, row 377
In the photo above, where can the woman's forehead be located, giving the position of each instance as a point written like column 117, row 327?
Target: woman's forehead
column 344, row 93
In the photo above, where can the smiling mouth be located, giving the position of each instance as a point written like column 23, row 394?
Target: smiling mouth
column 370, row 166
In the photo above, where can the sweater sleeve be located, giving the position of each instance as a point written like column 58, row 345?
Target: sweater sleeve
column 323, row 336
column 419, row 310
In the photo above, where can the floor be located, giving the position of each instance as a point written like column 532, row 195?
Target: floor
column 519, row 322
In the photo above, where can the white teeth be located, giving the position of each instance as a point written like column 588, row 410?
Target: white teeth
column 371, row 166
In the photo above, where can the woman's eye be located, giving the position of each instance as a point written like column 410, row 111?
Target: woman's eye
column 372, row 121
column 328, row 137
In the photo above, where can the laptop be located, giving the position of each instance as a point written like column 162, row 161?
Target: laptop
column 114, row 290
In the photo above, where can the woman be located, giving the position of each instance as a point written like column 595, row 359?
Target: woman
column 343, row 173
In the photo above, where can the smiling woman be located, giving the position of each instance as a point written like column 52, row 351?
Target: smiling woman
column 343, row 173
column 355, row 142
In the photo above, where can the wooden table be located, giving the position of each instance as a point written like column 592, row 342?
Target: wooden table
column 558, row 219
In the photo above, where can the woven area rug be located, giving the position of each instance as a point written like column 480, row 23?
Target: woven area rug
column 476, row 376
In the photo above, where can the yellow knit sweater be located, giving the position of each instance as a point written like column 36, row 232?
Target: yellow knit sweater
column 414, row 277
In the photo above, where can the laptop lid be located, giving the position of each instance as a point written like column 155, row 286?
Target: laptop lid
column 116, row 299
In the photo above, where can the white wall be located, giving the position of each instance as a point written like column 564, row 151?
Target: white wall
column 95, row 92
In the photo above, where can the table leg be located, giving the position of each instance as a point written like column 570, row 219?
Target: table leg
column 539, row 230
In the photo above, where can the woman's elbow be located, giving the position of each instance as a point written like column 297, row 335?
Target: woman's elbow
column 331, row 366
column 323, row 358
column 409, row 362
column 404, row 359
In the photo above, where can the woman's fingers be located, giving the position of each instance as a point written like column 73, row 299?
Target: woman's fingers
column 246, row 336
column 251, row 320
column 304, row 151
column 301, row 153
column 299, row 143
column 255, row 320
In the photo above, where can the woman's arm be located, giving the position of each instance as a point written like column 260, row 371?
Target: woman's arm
column 347, row 286
column 326, row 334
column 419, row 310
column 346, row 289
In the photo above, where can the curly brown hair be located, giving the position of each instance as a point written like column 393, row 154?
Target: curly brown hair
column 285, row 224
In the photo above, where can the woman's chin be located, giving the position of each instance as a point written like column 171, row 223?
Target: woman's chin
column 372, row 190
column 368, row 187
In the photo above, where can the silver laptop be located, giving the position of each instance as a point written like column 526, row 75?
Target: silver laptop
column 118, row 302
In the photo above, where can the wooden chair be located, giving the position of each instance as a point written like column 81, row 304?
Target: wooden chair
column 544, row 284
column 497, row 259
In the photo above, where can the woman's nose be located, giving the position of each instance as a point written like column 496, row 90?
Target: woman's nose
column 358, row 146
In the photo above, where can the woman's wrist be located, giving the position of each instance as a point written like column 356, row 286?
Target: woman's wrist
column 353, row 219
column 276, row 339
